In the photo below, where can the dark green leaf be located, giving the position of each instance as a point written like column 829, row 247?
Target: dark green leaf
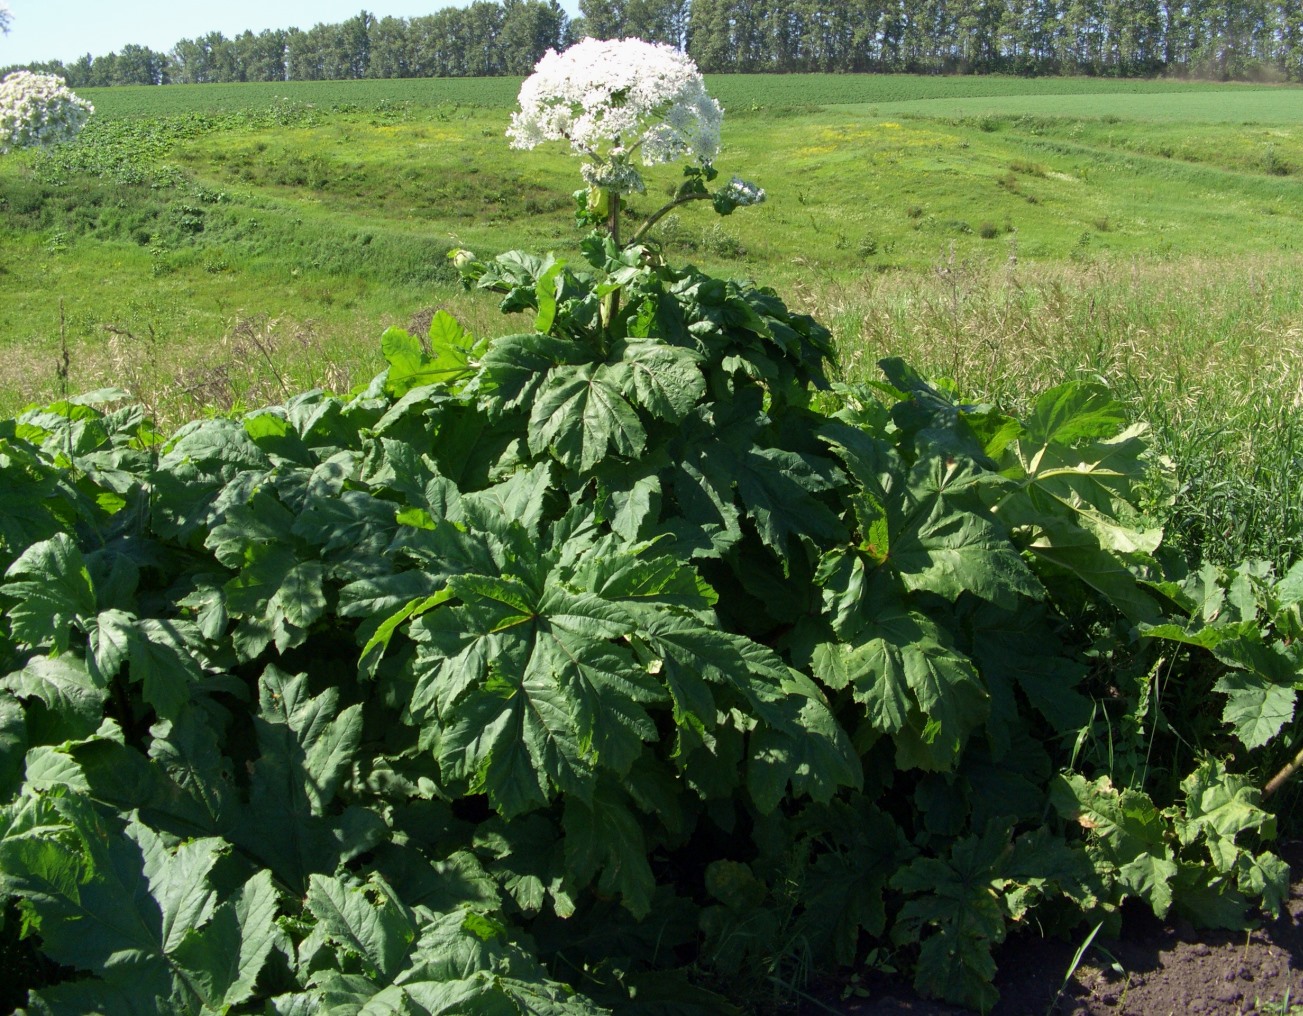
column 1074, row 412
column 663, row 380
column 73, row 700
column 306, row 746
column 579, row 414
column 367, row 920
column 806, row 749
column 1255, row 708
column 221, row 960
column 129, row 908
column 948, row 544
column 13, row 745
column 911, row 680
column 606, row 836
column 50, row 589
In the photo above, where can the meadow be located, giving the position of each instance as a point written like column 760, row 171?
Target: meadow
column 219, row 246
column 662, row 639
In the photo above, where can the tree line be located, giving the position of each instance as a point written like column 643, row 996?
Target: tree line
column 1224, row 39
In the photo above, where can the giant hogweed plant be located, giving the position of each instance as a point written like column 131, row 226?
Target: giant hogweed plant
column 38, row 111
column 618, row 663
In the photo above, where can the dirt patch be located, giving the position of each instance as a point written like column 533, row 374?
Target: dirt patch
column 1154, row 969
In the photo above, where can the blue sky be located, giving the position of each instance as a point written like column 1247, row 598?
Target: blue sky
column 66, row 29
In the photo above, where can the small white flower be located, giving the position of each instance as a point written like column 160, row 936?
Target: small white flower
column 611, row 98
column 38, row 110
column 615, row 175
column 743, row 193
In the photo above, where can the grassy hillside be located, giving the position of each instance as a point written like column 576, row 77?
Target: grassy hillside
column 215, row 246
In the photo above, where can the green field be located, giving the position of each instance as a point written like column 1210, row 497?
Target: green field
column 221, row 245
column 703, row 646
column 737, row 93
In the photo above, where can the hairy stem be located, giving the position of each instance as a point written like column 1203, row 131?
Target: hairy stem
column 613, row 218
column 611, row 302
column 1282, row 777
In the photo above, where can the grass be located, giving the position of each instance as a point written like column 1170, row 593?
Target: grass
column 738, row 93
column 1283, row 1007
column 210, row 246
column 1209, row 351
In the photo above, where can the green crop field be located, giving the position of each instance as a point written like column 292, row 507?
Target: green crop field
column 737, row 93
column 211, row 246
column 134, row 101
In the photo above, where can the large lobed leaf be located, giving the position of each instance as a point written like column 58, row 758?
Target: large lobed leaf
column 144, row 919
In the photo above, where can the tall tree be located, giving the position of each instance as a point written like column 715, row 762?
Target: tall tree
column 139, row 65
column 79, row 71
column 483, row 30
column 710, row 36
column 303, row 56
column 104, row 70
column 1290, row 19
column 602, row 19
column 191, row 62
column 529, row 29
column 656, row 21
column 262, row 56
column 391, row 49
column 353, row 43
column 1220, row 38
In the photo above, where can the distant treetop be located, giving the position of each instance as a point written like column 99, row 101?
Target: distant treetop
column 1223, row 39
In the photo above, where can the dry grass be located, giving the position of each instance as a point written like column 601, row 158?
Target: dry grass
column 1193, row 335
column 1210, row 352
column 256, row 361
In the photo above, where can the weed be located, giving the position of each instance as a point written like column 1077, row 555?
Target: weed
column 1273, row 164
column 167, row 195
column 1072, row 967
column 721, row 243
column 1283, row 1006
column 1028, row 168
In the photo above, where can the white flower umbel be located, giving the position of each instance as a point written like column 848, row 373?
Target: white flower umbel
column 743, row 193
column 38, row 110
column 617, row 100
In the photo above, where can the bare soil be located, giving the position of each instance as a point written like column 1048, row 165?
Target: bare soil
column 1154, row 969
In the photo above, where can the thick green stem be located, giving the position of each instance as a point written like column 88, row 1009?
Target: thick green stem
column 611, row 302
column 613, row 218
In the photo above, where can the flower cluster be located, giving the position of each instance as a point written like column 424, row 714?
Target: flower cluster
column 37, row 110
column 614, row 100
column 742, row 193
